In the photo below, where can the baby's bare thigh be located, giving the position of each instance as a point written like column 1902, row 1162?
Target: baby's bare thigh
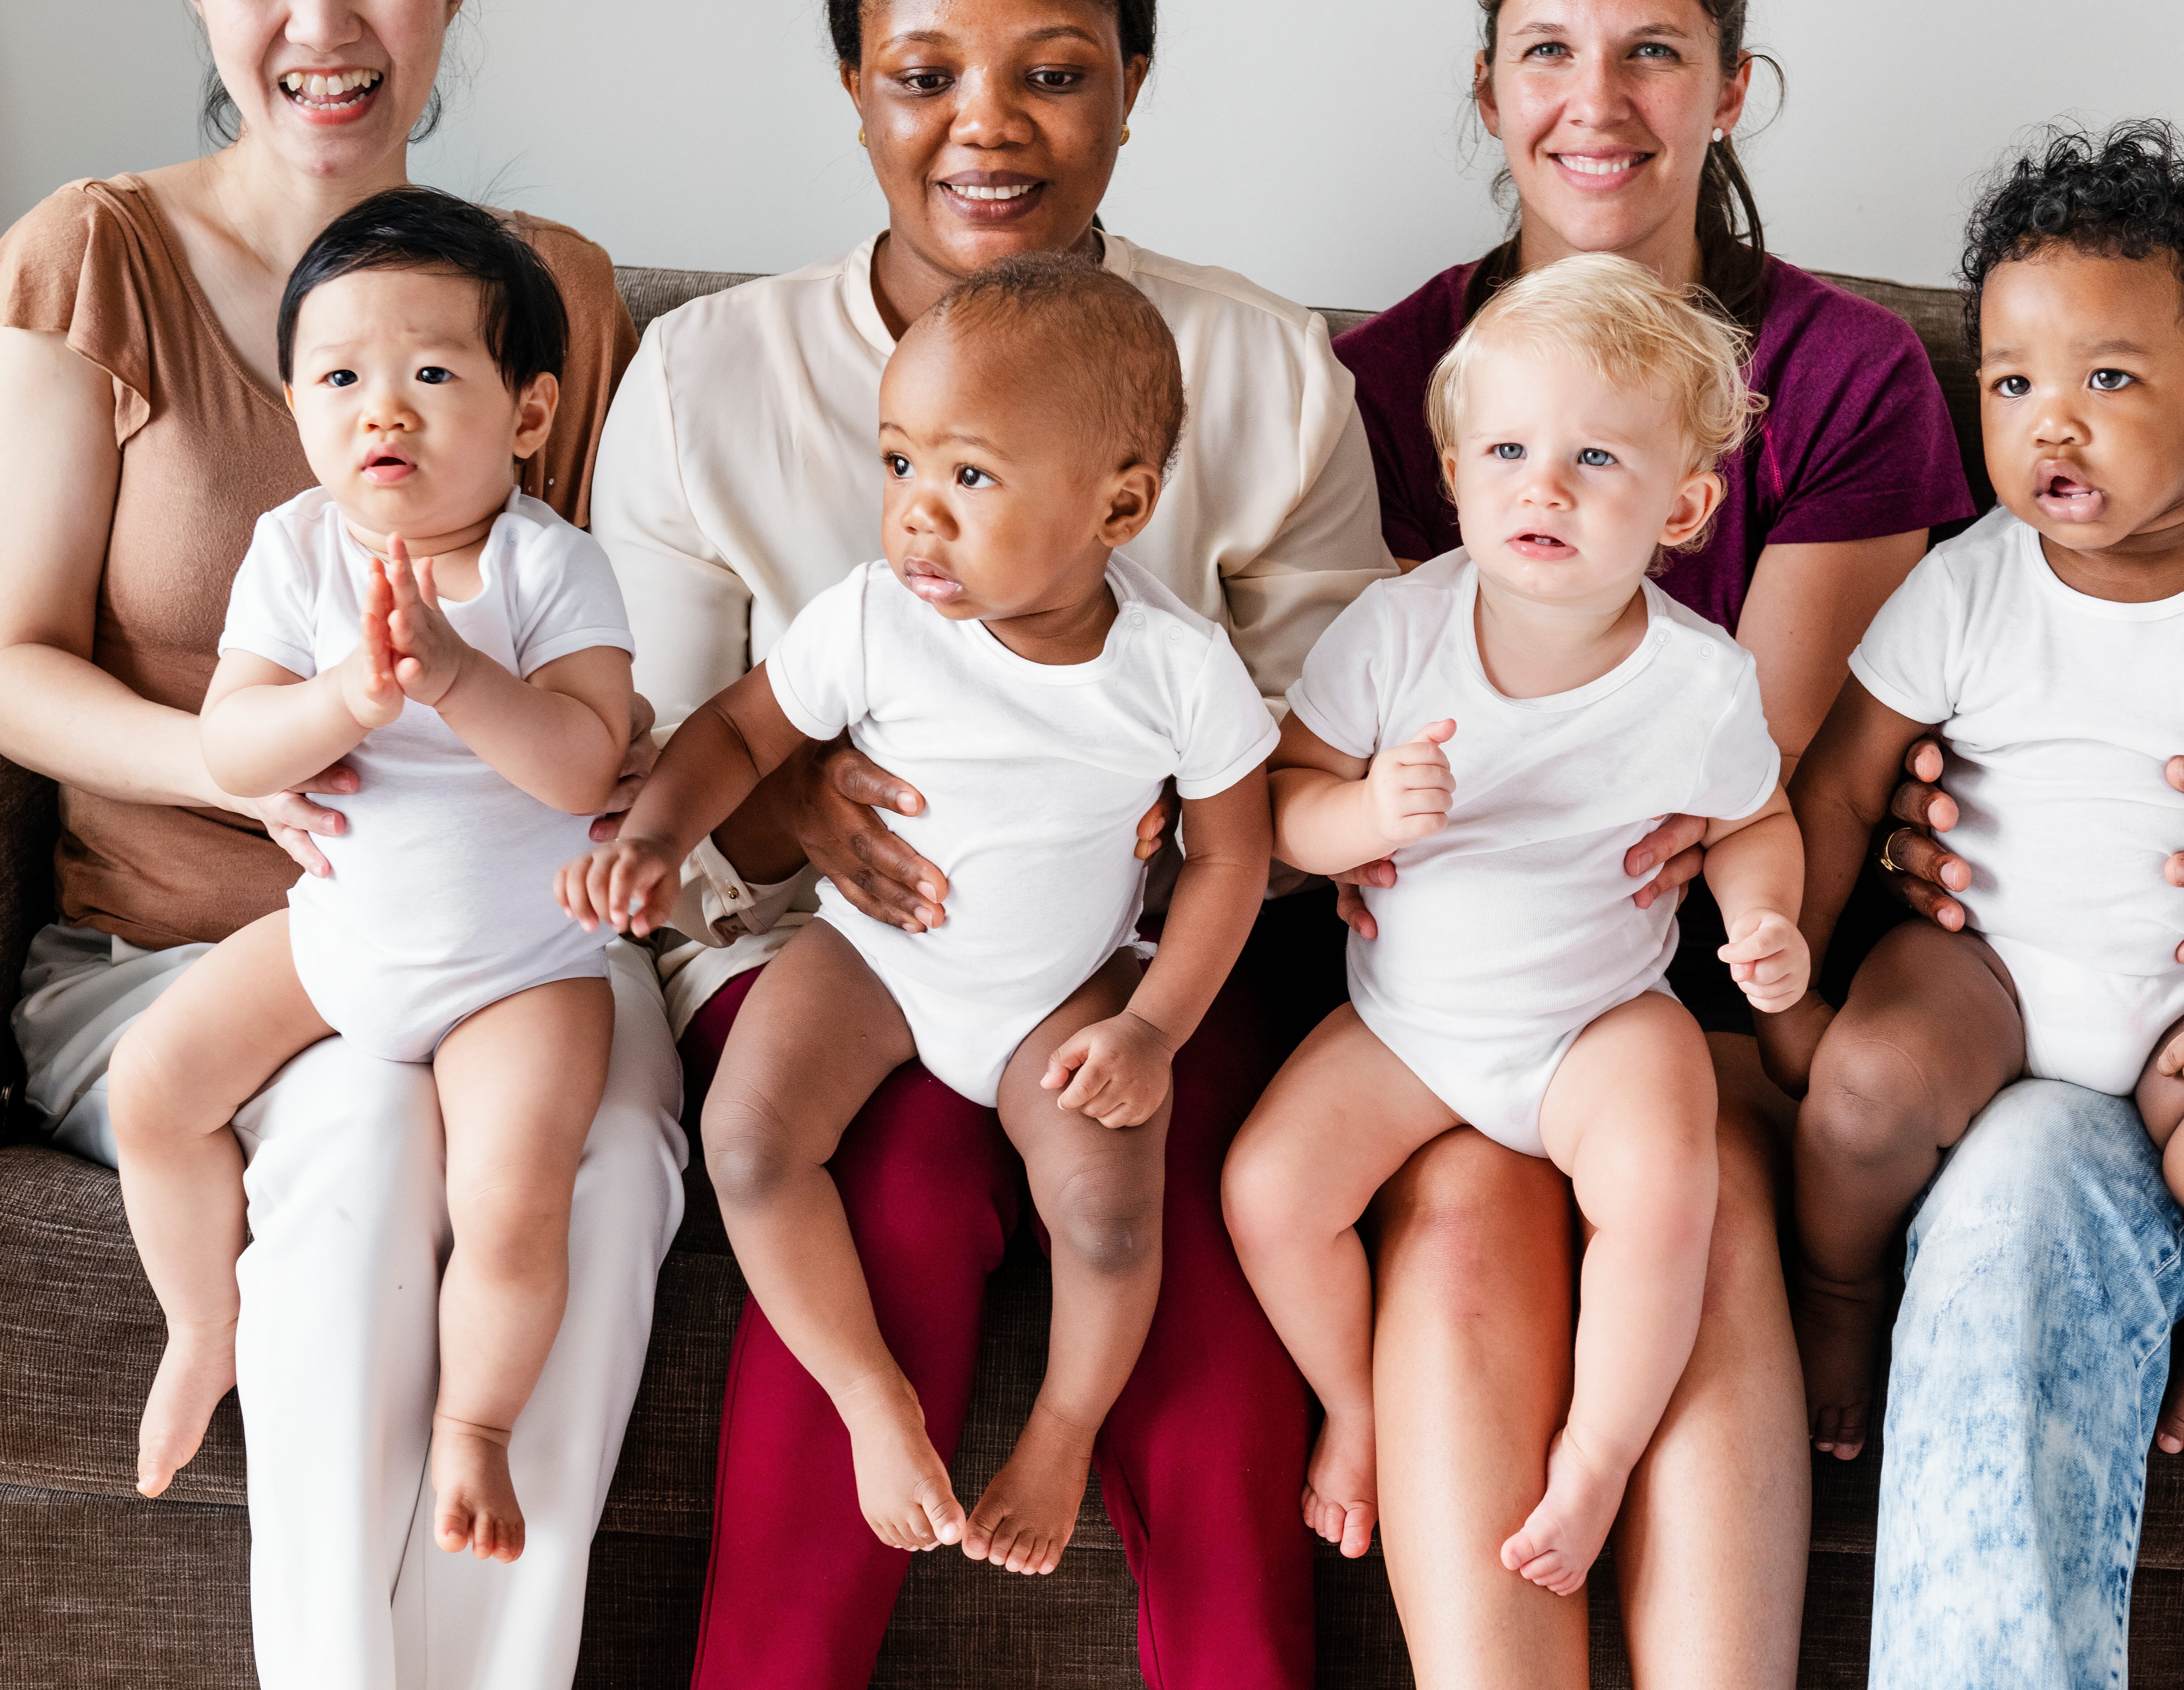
column 520, row 1084
column 1337, row 1122
column 818, row 1034
column 1629, row 1112
column 1057, row 1144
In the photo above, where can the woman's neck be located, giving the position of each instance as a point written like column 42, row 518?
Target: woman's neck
column 907, row 282
column 1529, row 650
column 1671, row 252
column 273, row 211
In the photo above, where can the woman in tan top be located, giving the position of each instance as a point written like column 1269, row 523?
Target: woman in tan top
column 141, row 413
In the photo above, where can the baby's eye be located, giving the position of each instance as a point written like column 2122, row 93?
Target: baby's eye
column 2013, row 386
column 897, row 465
column 341, row 378
column 1594, row 459
column 2111, row 381
column 972, row 476
column 432, row 375
column 1509, row 451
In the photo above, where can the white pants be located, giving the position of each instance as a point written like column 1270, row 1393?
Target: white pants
column 337, row 1347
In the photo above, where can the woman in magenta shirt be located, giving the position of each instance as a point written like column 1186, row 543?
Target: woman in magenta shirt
column 1615, row 116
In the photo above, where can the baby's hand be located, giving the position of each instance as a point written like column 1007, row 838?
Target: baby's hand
column 1766, row 956
column 629, row 885
column 429, row 653
column 368, row 688
column 1409, row 788
column 1787, row 1041
column 1120, row 1068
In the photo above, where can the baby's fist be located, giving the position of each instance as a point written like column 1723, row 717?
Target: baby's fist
column 1114, row 1071
column 1766, row 956
column 628, row 885
column 1409, row 787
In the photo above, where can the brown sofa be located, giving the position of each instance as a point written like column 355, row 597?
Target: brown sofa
column 99, row 1589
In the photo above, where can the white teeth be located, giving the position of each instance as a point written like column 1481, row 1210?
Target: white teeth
column 1017, row 191
column 294, row 81
column 338, row 87
column 1597, row 167
column 315, row 87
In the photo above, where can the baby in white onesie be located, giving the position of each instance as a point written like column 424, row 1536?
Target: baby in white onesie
column 2044, row 650
column 1506, row 721
column 1037, row 689
column 482, row 697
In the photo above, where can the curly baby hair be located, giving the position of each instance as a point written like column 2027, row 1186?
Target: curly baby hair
column 1086, row 329
column 845, row 24
column 1629, row 325
column 2116, row 195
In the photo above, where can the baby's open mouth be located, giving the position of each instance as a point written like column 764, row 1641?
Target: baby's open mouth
column 384, row 467
column 2065, row 498
column 329, row 92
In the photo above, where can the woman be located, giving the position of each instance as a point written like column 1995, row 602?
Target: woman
column 1615, row 116
column 738, row 477
column 140, row 406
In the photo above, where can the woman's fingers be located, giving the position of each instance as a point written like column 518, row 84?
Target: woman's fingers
column 302, row 850
column 1920, row 858
column 861, row 780
column 1923, row 805
column 1930, row 901
column 1677, row 872
column 1154, row 825
column 1676, row 835
column 1922, row 760
column 1350, row 904
column 891, row 882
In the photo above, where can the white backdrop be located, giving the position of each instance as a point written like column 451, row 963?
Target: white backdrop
column 1316, row 145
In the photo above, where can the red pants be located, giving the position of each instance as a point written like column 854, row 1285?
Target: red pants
column 1200, row 1461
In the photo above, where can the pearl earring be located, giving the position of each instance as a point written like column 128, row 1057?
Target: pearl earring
column 1717, row 137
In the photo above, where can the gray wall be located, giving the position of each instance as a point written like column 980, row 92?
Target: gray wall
column 1325, row 159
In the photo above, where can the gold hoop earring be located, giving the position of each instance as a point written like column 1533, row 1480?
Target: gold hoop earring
column 860, row 137
column 1125, row 140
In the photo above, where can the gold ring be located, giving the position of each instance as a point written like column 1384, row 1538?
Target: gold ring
column 1887, row 861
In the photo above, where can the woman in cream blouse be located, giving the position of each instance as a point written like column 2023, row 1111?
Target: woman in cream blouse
column 737, row 477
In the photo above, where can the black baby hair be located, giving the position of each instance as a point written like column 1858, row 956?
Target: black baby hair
column 1083, row 328
column 524, row 324
column 2117, row 195
column 845, row 24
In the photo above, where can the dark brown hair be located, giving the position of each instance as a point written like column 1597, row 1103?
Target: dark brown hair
column 845, row 24
column 1732, row 245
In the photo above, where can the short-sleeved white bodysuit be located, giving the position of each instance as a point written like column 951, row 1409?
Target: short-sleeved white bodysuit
column 2057, row 714
column 1034, row 777
column 1512, row 929
column 442, row 897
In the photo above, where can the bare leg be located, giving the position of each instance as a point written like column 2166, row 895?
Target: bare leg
column 520, row 1083
column 203, row 1049
column 1929, row 1034
column 1471, row 1378
column 2161, row 1107
column 1711, row 1550
column 815, row 1038
column 1098, row 1189
column 1341, row 1118
column 1629, row 1114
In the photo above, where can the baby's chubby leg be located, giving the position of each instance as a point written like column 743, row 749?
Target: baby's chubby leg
column 1098, row 1189
column 1930, row 1033
column 1340, row 1119
column 2160, row 1099
column 816, row 1036
column 1629, row 1117
column 520, row 1083
column 178, row 1075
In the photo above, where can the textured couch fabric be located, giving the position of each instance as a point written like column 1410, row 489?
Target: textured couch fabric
column 99, row 1588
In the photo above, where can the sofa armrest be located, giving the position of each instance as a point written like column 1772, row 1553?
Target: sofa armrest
column 30, row 821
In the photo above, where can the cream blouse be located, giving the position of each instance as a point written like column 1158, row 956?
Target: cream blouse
column 738, row 476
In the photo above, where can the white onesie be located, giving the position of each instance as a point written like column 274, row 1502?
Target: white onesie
column 1511, row 929
column 1034, row 777
column 2058, row 713
column 441, row 899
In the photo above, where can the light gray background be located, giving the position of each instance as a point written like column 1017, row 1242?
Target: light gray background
column 1316, row 145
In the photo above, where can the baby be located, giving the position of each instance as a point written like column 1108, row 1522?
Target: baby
column 1506, row 721
column 1038, row 688
column 483, row 698
column 2043, row 648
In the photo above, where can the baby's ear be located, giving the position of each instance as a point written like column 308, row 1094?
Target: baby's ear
column 1132, row 494
column 1696, row 501
column 535, row 407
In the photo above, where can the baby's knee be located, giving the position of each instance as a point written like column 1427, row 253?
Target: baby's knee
column 1112, row 1230
column 747, row 1156
column 512, row 1231
column 1865, row 1103
column 142, row 1082
column 1260, row 1199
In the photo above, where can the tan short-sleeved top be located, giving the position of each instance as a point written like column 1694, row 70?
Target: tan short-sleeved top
column 206, row 448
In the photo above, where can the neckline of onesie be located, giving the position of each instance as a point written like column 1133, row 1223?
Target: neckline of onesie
column 1129, row 619
column 2033, row 556
column 1555, row 704
column 488, row 554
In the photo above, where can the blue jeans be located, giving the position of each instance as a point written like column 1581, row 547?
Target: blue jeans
column 2045, row 1268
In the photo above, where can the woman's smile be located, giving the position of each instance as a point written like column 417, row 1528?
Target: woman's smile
column 991, row 196
column 340, row 95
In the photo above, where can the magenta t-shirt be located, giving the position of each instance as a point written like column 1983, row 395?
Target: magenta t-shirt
column 1855, row 443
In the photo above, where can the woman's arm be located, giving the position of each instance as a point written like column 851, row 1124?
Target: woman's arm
column 60, row 715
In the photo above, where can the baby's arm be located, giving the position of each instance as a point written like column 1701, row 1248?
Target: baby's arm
column 1333, row 812
column 264, row 727
column 1756, row 867
column 734, row 740
column 1122, row 1065
column 1838, row 794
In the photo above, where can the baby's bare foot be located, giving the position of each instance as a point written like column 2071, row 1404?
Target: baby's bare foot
column 197, row 1370
column 1556, row 1546
column 1024, row 1520
column 1840, row 1327
column 1342, row 1484
column 477, row 1508
column 902, row 1482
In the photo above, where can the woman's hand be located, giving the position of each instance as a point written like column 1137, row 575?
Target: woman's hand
column 834, row 793
column 1914, row 867
column 290, row 818
column 636, row 769
column 1674, row 847
column 1349, row 902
